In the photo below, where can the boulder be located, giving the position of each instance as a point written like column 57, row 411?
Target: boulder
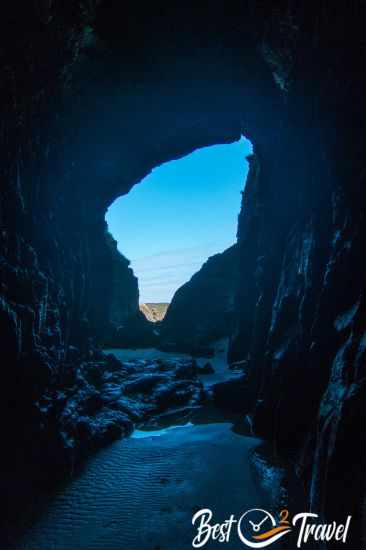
column 108, row 425
column 207, row 368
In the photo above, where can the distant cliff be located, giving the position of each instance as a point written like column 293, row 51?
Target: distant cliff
column 202, row 310
column 154, row 312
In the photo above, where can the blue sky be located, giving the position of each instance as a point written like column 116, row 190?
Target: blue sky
column 183, row 212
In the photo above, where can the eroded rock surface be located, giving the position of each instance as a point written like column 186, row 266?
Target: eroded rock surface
column 202, row 310
column 106, row 398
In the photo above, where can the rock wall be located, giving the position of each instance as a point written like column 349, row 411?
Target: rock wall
column 202, row 310
column 91, row 101
column 60, row 272
column 301, row 297
column 301, row 333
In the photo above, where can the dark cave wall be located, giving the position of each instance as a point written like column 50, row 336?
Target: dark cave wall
column 60, row 272
column 112, row 314
column 77, row 132
column 41, row 268
column 302, row 297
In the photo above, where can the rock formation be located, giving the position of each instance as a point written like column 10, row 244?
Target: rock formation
column 154, row 312
column 116, row 319
column 107, row 397
column 91, row 101
column 202, row 310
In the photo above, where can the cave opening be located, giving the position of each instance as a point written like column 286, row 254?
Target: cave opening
column 183, row 212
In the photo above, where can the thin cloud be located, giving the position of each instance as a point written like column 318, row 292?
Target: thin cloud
column 173, row 284
column 165, row 268
column 176, row 252
column 164, row 277
column 161, row 274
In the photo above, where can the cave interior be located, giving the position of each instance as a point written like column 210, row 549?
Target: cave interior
column 93, row 98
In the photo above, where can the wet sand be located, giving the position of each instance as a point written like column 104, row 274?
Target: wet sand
column 141, row 493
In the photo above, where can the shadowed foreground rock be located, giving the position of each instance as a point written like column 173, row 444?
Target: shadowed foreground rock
column 106, row 398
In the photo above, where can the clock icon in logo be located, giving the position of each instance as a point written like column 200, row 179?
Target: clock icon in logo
column 257, row 528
